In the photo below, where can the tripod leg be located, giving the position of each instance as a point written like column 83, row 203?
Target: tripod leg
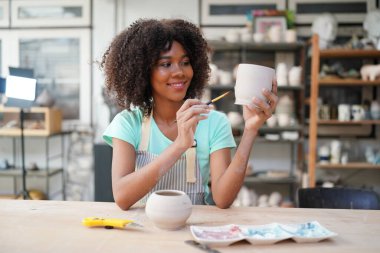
column 25, row 193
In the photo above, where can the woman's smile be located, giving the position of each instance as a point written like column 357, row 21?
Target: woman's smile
column 178, row 85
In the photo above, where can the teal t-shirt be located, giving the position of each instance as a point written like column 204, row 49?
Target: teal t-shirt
column 212, row 134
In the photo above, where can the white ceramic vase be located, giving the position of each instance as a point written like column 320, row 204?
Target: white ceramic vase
column 275, row 33
column 168, row 209
column 235, row 119
column 375, row 110
column 282, row 74
column 214, row 78
column 290, row 36
column 295, row 75
column 258, row 37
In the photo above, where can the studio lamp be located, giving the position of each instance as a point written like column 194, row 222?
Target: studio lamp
column 21, row 92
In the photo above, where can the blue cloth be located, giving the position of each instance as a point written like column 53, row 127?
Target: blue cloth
column 212, row 134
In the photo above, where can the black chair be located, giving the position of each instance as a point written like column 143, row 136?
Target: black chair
column 103, row 165
column 338, row 198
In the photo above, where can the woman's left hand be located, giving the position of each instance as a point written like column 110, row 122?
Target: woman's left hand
column 256, row 113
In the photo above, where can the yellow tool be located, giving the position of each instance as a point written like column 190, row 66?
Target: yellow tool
column 109, row 223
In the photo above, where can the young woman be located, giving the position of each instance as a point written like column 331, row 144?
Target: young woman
column 166, row 138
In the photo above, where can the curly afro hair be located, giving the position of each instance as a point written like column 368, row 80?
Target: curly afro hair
column 129, row 60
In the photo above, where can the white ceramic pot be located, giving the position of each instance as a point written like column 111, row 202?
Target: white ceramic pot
column 275, row 33
column 344, row 112
column 235, row 119
column 290, row 36
column 258, row 37
column 282, row 74
column 272, row 121
column 214, row 78
column 246, row 37
column 283, row 119
column 225, row 77
column 232, row 36
column 375, row 110
column 295, row 74
column 168, row 209
column 335, row 151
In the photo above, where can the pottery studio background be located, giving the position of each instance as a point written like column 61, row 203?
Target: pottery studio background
column 64, row 52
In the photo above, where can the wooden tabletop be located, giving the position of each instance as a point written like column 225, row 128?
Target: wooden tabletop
column 55, row 226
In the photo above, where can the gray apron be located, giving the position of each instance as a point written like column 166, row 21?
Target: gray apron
column 184, row 175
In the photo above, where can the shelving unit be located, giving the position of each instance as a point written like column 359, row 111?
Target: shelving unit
column 316, row 84
column 44, row 173
column 230, row 54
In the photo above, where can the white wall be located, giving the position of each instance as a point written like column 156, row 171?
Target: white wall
column 186, row 9
column 104, row 29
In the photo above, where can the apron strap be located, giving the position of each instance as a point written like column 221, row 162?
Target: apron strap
column 145, row 133
column 190, row 165
column 190, row 153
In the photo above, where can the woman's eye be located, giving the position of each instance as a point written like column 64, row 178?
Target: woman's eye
column 186, row 63
column 165, row 64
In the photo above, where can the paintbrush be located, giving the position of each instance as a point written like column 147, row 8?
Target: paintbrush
column 213, row 100
column 217, row 98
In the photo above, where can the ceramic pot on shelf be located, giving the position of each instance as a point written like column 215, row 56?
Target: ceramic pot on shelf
column 375, row 110
column 282, row 74
column 295, row 76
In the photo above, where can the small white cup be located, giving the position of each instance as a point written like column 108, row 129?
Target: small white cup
column 283, row 119
column 290, row 36
column 258, row 37
column 168, row 209
column 344, row 112
column 233, row 36
column 272, row 121
column 275, row 33
column 246, row 37
column 357, row 112
column 225, row 77
column 295, row 76
column 250, row 81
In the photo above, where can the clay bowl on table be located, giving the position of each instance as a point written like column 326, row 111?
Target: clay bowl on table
column 168, row 209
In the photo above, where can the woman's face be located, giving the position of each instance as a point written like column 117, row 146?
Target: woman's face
column 172, row 74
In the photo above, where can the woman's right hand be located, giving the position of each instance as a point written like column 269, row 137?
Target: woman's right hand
column 188, row 116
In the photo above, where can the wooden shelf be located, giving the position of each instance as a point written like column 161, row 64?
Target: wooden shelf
column 349, row 53
column 276, row 129
column 347, row 82
column 27, row 132
column 221, row 45
column 31, row 173
column 232, row 87
column 271, row 46
column 342, row 128
column 295, row 128
column 264, row 140
column 8, row 196
column 271, row 180
column 351, row 122
column 364, row 166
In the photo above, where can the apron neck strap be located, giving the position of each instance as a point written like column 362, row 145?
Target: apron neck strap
column 145, row 133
